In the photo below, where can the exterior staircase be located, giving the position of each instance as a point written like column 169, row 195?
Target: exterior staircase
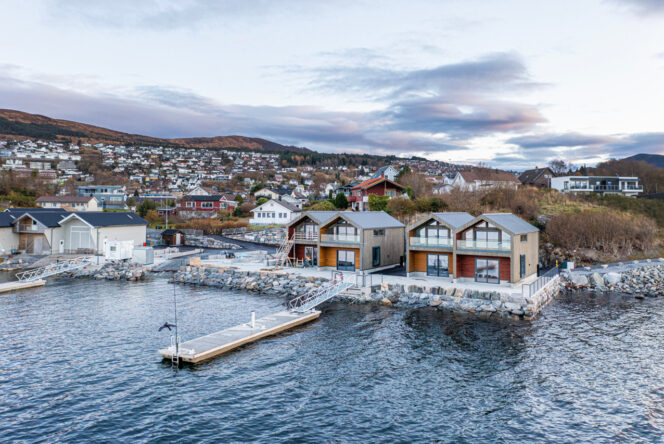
column 317, row 296
column 283, row 252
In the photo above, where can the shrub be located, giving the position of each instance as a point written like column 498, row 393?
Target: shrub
column 211, row 226
column 323, row 205
column 401, row 207
column 378, row 203
column 340, row 201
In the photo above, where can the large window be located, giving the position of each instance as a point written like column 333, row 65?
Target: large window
column 207, row 205
column 522, row 265
column 487, row 271
column 346, row 260
column 438, row 265
column 375, row 256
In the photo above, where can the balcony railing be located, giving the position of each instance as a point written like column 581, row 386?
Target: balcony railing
column 28, row 228
column 430, row 242
column 483, row 245
column 305, row 236
column 341, row 238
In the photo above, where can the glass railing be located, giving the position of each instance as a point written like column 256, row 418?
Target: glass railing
column 305, row 236
column 345, row 238
column 430, row 242
column 484, row 245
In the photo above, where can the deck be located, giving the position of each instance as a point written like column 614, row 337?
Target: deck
column 20, row 285
column 215, row 344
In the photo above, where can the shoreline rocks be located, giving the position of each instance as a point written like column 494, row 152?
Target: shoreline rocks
column 641, row 282
column 112, row 271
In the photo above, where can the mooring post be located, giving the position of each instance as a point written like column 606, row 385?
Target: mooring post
column 253, row 318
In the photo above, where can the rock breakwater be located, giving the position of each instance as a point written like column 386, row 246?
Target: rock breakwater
column 641, row 282
column 112, row 271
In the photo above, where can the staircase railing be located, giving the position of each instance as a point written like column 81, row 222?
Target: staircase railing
column 284, row 251
column 313, row 298
column 52, row 269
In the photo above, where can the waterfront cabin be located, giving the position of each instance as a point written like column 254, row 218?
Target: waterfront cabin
column 304, row 232
column 430, row 244
column 496, row 248
column 361, row 241
column 8, row 239
column 36, row 228
column 90, row 231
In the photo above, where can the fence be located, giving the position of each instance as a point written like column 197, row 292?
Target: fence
column 528, row 290
column 357, row 279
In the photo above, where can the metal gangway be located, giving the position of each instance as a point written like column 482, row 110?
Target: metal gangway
column 310, row 300
column 52, row 269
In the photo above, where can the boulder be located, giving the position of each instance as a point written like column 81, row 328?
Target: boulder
column 579, row 279
column 612, row 278
column 596, row 280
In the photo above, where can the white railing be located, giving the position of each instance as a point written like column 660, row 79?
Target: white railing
column 305, row 236
column 484, row 245
column 52, row 269
column 343, row 238
column 528, row 290
column 430, row 242
column 317, row 296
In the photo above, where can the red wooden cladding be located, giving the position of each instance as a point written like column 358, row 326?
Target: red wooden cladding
column 466, row 266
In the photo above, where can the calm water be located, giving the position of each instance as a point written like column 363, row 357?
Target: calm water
column 80, row 365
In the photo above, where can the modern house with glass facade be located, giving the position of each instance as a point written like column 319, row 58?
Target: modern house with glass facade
column 304, row 231
column 627, row 186
column 491, row 248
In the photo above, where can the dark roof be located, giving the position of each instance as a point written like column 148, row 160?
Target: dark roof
column 531, row 176
column 171, row 231
column 19, row 211
column 214, row 198
column 6, row 220
column 49, row 219
column 280, row 191
column 110, row 219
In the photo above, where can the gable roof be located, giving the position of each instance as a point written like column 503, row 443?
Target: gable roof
column 50, row 219
column 203, row 198
column 382, row 170
column 488, row 176
column 107, row 218
column 530, row 176
column 509, row 222
column 283, row 203
column 6, row 219
column 375, row 181
column 369, row 219
column 455, row 220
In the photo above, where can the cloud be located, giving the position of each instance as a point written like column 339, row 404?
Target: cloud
column 642, row 7
column 560, row 140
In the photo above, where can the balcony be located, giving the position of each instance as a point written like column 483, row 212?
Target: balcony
column 436, row 242
column 341, row 238
column 305, row 236
column 27, row 228
column 483, row 245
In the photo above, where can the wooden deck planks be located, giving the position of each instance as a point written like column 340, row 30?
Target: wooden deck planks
column 215, row 344
column 20, row 285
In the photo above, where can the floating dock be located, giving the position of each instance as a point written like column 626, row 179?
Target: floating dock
column 215, row 344
column 20, row 285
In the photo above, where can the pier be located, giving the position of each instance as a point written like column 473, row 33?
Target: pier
column 20, row 285
column 215, row 344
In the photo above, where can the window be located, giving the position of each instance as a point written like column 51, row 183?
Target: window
column 524, row 238
column 375, row 256
column 189, row 204
column 207, row 205
column 379, row 232
column 346, row 260
column 487, row 270
column 438, row 265
column 522, row 265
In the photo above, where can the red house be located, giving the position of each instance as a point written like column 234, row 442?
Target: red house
column 380, row 186
column 204, row 206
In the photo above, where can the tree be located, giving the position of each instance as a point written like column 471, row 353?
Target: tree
column 256, row 187
column 238, row 199
column 136, row 192
column 146, row 206
column 261, row 200
column 323, row 205
column 558, row 167
column 152, row 217
column 340, row 201
column 131, row 202
column 418, row 183
column 405, row 170
column 378, row 203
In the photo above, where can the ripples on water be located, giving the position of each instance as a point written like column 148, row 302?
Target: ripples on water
column 80, row 364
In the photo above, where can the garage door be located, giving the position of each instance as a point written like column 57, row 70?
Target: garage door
column 80, row 238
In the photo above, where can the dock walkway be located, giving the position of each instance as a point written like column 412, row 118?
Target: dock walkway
column 215, row 344
column 20, row 285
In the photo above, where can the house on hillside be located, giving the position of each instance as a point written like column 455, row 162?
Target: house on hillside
column 273, row 193
column 108, row 196
column 538, row 177
column 69, row 203
column 200, row 206
column 380, row 186
column 366, row 241
column 388, row 172
column 624, row 185
column 274, row 212
column 478, row 180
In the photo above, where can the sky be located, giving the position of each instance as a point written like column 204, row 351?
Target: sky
column 510, row 84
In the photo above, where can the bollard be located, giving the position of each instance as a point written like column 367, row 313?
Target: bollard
column 253, row 319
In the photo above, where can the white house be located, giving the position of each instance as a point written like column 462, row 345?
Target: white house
column 478, row 180
column 627, row 186
column 274, row 212
column 388, row 172
column 72, row 203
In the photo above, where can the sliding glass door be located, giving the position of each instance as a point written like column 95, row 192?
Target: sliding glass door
column 487, row 271
column 438, row 265
column 346, row 260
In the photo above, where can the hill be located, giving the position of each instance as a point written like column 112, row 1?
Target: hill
column 19, row 125
column 652, row 159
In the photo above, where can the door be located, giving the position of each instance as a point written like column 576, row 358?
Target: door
column 310, row 232
column 487, row 271
column 61, row 246
column 375, row 256
column 346, row 260
column 310, row 258
column 438, row 265
column 177, row 238
column 38, row 245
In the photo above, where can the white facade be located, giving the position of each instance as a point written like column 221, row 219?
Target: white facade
column 627, row 186
column 90, row 205
column 272, row 212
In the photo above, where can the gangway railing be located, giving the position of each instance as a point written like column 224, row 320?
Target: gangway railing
column 315, row 297
column 52, row 269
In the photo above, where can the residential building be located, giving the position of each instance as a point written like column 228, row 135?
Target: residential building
column 274, row 212
column 538, row 177
column 624, row 185
column 304, row 230
column 388, row 172
column 108, row 196
column 361, row 241
column 380, row 186
column 69, row 203
column 273, row 193
column 496, row 248
column 430, row 244
column 204, row 205
column 478, row 180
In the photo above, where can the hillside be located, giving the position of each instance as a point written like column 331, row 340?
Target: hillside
column 652, row 159
column 18, row 125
